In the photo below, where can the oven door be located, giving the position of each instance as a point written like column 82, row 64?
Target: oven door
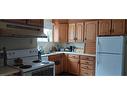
column 45, row 71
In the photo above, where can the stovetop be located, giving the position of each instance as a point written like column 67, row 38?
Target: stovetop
column 29, row 59
column 34, row 66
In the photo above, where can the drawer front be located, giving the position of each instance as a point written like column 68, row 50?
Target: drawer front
column 87, row 62
column 84, row 66
column 73, row 60
column 73, row 56
column 87, row 58
column 85, row 72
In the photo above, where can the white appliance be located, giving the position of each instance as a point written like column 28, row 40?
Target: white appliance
column 111, row 59
column 30, row 60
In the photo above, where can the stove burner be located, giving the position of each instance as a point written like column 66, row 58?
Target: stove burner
column 25, row 66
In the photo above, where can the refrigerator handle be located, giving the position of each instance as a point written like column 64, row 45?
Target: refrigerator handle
column 98, row 59
column 97, row 45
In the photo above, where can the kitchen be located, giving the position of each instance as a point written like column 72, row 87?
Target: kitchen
column 62, row 47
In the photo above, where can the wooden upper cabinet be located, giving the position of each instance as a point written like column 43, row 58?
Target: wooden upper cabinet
column 75, row 33
column 18, row 21
column 91, row 29
column 79, row 32
column 63, row 32
column 60, row 32
column 112, row 27
column 35, row 22
column 118, row 27
column 71, row 32
column 104, row 27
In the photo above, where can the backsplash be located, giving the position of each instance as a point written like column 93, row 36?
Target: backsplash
column 46, row 46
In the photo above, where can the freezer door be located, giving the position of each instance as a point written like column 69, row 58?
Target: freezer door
column 110, row 44
column 109, row 65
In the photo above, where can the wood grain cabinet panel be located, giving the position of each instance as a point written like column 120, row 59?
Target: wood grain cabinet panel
column 73, row 64
column 91, row 31
column 16, row 21
column 35, row 22
column 76, row 32
column 118, row 27
column 112, row 27
column 71, row 32
column 104, row 27
column 60, row 32
column 79, row 32
column 87, row 65
column 63, row 33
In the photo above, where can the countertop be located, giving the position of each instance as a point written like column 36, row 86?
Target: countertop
column 54, row 53
column 7, row 70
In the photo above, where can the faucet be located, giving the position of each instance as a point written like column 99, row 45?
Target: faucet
column 5, row 56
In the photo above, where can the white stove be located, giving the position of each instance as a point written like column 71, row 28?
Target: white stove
column 28, row 57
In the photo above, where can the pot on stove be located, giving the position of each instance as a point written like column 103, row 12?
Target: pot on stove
column 18, row 61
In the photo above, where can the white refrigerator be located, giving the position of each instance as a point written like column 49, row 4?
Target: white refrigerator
column 111, row 56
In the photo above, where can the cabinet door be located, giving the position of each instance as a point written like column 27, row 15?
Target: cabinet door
column 118, row 27
column 63, row 28
column 35, row 22
column 73, row 66
column 79, row 32
column 91, row 29
column 71, row 33
column 18, row 21
column 104, row 27
column 90, row 47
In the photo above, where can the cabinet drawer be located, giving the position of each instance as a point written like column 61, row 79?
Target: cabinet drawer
column 87, row 58
column 84, row 66
column 73, row 56
column 85, row 72
column 74, row 60
column 87, row 62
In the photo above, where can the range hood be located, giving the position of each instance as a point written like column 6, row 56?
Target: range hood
column 18, row 30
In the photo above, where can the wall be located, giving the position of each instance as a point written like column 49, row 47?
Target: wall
column 17, row 43
column 46, row 46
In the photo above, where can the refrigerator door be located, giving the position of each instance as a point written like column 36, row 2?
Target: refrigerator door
column 110, row 44
column 109, row 65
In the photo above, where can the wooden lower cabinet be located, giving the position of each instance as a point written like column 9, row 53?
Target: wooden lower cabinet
column 58, row 63
column 65, row 65
column 87, row 65
column 73, row 64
